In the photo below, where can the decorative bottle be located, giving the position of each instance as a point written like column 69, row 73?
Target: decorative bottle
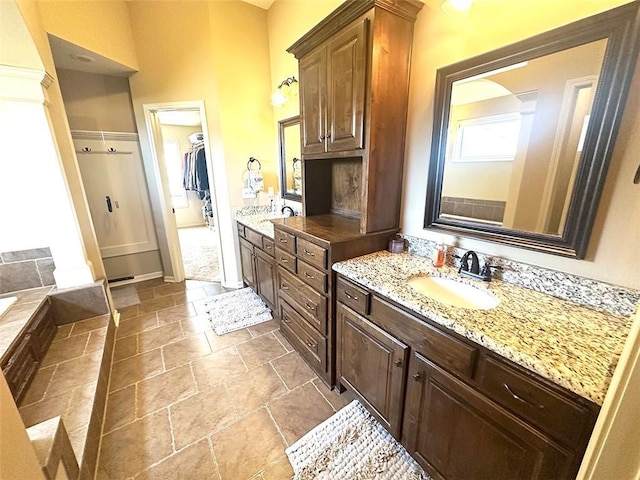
column 438, row 255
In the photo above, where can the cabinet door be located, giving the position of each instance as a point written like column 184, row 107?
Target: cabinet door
column 346, row 83
column 313, row 81
column 266, row 278
column 454, row 432
column 246, row 259
column 372, row 364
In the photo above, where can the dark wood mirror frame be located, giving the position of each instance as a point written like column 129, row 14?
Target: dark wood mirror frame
column 620, row 26
column 282, row 125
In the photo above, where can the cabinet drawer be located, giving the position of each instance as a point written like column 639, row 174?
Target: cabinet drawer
column 311, row 344
column 454, row 355
column 286, row 241
column 558, row 416
column 241, row 230
column 353, row 296
column 268, row 246
column 286, row 260
column 42, row 329
column 253, row 237
column 312, row 253
column 312, row 276
column 309, row 303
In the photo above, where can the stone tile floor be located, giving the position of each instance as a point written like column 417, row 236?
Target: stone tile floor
column 185, row 403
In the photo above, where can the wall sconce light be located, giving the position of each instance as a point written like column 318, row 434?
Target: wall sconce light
column 286, row 91
column 456, row 9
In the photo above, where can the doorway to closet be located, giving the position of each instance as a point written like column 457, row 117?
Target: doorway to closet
column 187, row 181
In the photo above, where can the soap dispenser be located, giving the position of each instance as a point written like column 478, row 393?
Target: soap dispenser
column 438, row 255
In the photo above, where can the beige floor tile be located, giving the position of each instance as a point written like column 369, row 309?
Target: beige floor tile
column 45, row 409
column 180, row 298
column 201, row 414
column 96, row 340
column 90, row 324
column 39, row 385
column 185, row 350
column 129, row 312
column 280, row 470
column 293, row 370
column 136, row 368
column 121, row 408
column 63, row 331
column 147, row 294
column 192, row 463
column 261, row 350
column 155, row 304
column 154, row 282
column 283, row 341
column 215, row 289
column 158, row 337
column 213, row 369
column 336, row 399
column 220, row 342
column 255, row 388
column 169, row 289
column 125, row 348
column 195, row 284
column 164, row 389
column 78, row 439
column 242, row 452
column 194, row 294
column 79, row 412
column 145, row 441
column 74, row 373
column 136, row 325
column 264, row 327
column 175, row 314
column 72, row 347
column 299, row 411
column 194, row 325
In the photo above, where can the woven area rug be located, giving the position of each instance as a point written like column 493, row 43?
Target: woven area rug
column 352, row 445
column 199, row 250
column 235, row 310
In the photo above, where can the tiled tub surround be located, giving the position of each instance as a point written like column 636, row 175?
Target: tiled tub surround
column 258, row 219
column 26, row 269
column 571, row 345
column 474, row 208
column 599, row 296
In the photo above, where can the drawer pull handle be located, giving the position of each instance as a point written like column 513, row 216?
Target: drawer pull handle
column 351, row 297
column 284, row 260
column 283, row 240
column 417, row 377
column 307, row 252
column 285, row 286
column 397, row 362
column 311, row 344
column 286, row 320
column 310, row 277
column 520, row 399
column 310, row 307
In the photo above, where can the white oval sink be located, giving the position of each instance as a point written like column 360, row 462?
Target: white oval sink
column 453, row 292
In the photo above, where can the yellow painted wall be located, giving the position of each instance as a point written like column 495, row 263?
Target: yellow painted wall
column 100, row 26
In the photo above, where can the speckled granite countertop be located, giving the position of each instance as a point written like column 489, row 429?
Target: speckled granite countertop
column 260, row 222
column 15, row 320
column 573, row 346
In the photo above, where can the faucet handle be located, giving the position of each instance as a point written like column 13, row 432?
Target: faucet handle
column 486, row 271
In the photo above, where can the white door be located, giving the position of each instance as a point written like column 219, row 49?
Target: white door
column 117, row 194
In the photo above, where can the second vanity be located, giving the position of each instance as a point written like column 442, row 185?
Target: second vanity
column 507, row 392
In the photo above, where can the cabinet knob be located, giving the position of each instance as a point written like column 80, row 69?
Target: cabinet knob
column 310, row 254
column 285, row 287
column 312, row 345
column 397, row 362
column 349, row 296
column 417, row 377
column 310, row 277
column 286, row 320
column 310, row 307
column 284, row 260
column 321, row 138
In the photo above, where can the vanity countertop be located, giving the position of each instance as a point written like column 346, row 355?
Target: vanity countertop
column 260, row 222
column 17, row 317
column 571, row 345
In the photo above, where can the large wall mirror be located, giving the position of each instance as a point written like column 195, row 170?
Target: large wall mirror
column 523, row 135
column 290, row 158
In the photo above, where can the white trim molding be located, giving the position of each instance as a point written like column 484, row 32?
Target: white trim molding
column 99, row 135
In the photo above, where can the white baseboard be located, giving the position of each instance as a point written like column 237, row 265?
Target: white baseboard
column 169, row 279
column 232, row 284
column 192, row 225
column 137, row 279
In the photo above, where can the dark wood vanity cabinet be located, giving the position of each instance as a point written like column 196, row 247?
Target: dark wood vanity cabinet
column 21, row 362
column 354, row 87
column 258, row 265
column 465, row 412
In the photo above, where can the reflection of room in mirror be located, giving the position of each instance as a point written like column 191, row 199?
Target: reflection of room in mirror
column 514, row 140
column 290, row 163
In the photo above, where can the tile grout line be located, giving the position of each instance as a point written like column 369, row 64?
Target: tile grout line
column 213, row 454
column 266, row 407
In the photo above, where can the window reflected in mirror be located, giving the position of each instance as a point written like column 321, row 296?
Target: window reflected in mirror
column 290, row 158
column 515, row 137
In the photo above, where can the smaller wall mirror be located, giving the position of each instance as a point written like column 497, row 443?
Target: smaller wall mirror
column 523, row 135
column 290, row 158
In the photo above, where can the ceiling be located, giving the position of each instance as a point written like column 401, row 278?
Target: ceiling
column 72, row 57
column 260, row 3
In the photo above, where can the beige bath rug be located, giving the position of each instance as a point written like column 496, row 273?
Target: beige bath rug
column 352, row 445
column 235, row 310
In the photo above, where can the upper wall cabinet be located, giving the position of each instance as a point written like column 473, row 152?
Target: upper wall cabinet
column 354, row 88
